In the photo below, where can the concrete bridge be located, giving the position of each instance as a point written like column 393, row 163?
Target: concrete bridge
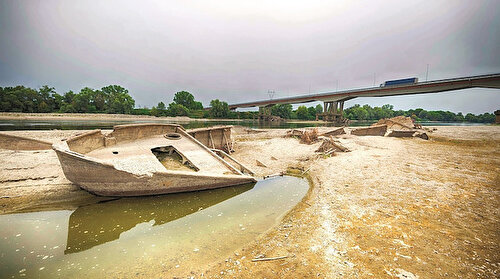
column 334, row 101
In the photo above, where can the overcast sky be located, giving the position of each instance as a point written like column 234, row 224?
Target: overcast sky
column 238, row 50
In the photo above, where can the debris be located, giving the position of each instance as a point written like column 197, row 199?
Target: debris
column 294, row 133
column 308, row 137
column 274, row 158
column 273, row 175
column 398, row 123
column 378, row 130
column 268, row 259
column 402, row 133
column 260, row 164
column 408, row 134
column 334, row 132
column 331, row 145
column 254, row 131
column 422, row 135
column 306, row 170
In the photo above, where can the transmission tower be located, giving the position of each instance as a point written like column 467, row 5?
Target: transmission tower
column 271, row 94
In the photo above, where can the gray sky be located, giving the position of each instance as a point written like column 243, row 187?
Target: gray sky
column 237, row 50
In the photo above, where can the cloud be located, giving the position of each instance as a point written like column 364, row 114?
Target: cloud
column 238, row 50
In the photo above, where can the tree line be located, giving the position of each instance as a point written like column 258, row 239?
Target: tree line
column 109, row 99
column 116, row 99
column 367, row 112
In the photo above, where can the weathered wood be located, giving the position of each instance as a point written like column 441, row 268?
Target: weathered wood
column 225, row 155
column 260, row 164
column 402, row 133
column 130, row 168
column 334, row 132
column 12, row 142
column 227, row 142
column 211, row 139
column 268, row 259
column 378, row 130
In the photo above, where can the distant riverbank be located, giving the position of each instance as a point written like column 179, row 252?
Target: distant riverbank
column 86, row 121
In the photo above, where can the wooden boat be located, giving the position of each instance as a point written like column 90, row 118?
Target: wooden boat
column 145, row 159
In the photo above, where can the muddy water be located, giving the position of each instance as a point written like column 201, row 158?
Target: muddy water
column 162, row 235
column 14, row 124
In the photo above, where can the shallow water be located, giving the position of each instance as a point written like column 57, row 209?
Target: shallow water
column 12, row 125
column 145, row 236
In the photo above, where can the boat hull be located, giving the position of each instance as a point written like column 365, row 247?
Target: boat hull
column 105, row 180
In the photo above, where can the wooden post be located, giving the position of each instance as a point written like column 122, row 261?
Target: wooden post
column 211, row 139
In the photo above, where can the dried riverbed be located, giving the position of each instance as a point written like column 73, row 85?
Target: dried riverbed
column 392, row 207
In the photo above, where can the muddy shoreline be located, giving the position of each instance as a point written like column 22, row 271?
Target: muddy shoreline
column 392, row 207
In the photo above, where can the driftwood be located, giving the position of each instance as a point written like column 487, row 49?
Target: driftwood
column 294, row 133
column 304, row 172
column 260, row 164
column 268, row 259
column 329, row 145
column 334, row 132
column 309, row 137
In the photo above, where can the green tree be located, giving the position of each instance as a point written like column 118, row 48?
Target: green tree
column 319, row 108
column 162, row 110
column 45, row 100
column 68, row 97
column 155, row 112
column 177, row 110
column 282, row 110
column 82, row 102
column 118, row 100
column 219, row 109
column 99, row 99
column 186, row 99
column 302, row 112
column 312, row 113
column 197, row 106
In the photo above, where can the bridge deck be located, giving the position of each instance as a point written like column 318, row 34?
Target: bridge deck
column 484, row 81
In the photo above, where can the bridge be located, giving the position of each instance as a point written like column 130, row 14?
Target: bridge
column 334, row 101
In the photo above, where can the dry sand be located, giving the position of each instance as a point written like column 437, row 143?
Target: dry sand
column 393, row 207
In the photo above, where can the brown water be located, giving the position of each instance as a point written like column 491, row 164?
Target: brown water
column 149, row 236
column 16, row 124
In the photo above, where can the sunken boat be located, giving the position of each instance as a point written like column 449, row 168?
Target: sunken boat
column 148, row 159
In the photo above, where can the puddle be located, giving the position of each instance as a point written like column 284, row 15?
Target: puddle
column 167, row 234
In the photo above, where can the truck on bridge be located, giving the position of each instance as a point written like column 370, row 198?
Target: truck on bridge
column 403, row 81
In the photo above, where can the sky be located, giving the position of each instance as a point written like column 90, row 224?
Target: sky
column 236, row 51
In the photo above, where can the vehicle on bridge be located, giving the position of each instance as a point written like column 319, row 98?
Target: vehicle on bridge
column 400, row 82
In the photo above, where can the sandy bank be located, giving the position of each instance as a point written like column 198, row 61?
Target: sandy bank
column 391, row 207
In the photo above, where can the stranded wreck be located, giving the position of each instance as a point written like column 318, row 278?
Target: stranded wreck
column 148, row 159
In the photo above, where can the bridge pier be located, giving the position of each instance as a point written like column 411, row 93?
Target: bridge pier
column 265, row 114
column 333, row 112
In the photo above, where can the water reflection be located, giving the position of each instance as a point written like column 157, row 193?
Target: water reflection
column 164, row 235
column 14, row 124
column 99, row 223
